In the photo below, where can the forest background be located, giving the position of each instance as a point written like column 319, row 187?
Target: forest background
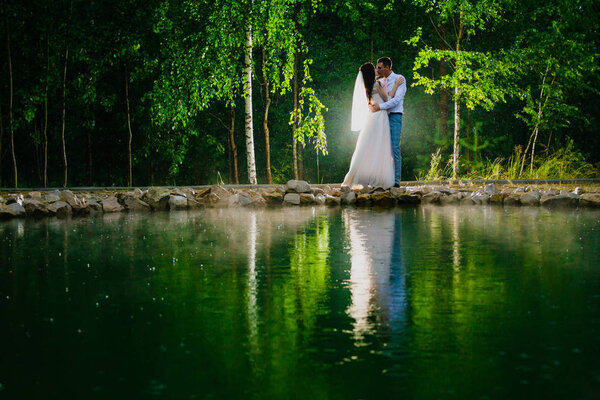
column 153, row 92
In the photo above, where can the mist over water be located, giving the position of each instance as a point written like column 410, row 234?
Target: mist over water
column 425, row 302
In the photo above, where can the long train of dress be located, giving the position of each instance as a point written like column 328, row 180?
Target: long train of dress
column 372, row 163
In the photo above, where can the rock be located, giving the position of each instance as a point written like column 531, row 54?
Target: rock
column 157, row 198
column 565, row 192
column 480, row 198
column 513, row 199
column 7, row 212
column 297, row 187
column 551, row 192
column 35, row 195
column 560, row 200
column 133, row 203
column 590, row 199
column 317, row 191
column 521, row 189
column 449, row 199
column 320, row 199
column 579, row 191
column 345, row 189
column 111, row 204
column 244, row 199
column 218, row 196
column 52, row 196
column 15, row 198
column 177, row 202
column 364, row 199
column 497, row 198
column 431, row 198
column 94, row 205
column 77, row 203
column 530, row 198
column 60, row 208
column 233, row 200
column 273, row 198
column 307, row 198
column 336, row 192
column 467, row 200
column 418, row 190
column 406, row 198
column 397, row 191
column 291, row 199
column 35, row 208
column 491, row 189
column 137, row 193
column 193, row 203
column 383, row 199
column 348, row 197
column 332, row 200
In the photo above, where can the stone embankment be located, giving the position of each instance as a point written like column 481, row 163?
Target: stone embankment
column 63, row 203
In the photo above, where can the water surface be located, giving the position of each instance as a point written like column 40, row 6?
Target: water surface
column 422, row 303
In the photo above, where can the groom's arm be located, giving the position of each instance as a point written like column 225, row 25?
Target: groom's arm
column 394, row 101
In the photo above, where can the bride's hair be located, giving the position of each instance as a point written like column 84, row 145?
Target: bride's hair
column 368, row 73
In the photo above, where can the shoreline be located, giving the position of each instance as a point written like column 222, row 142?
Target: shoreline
column 19, row 203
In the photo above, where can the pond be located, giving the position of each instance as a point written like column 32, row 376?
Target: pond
column 422, row 303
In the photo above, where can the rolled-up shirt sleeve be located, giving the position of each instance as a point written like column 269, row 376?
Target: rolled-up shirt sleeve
column 394, row 101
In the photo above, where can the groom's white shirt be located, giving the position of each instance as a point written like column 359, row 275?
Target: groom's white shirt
column 396, row 103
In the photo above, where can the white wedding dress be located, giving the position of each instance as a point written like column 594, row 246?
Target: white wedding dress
column 372, row 163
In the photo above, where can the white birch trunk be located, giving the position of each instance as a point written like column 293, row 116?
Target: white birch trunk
column 456, row 134
column 248, row 87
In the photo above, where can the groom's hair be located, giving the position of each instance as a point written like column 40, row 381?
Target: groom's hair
column 386, row 61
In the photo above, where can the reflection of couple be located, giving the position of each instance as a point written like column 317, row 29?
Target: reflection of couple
column 377, row 109
column 377, row 285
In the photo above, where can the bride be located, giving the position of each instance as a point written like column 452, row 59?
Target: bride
column 372, row 163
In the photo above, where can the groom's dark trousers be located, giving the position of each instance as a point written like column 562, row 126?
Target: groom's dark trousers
column 395, row 135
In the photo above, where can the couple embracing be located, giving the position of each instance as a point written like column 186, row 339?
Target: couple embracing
column 377, row 108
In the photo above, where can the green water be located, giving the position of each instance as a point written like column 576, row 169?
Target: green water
column 416, row 303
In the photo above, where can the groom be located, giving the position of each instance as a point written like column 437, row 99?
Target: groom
column 395, row 106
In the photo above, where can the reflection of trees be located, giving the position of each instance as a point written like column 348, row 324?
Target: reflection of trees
column 486, row 281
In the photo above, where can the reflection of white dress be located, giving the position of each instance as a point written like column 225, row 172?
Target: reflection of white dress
column 372, row 163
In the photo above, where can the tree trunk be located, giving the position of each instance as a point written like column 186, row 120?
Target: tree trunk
column 90, row 159
column 295, row 119
column 444, row 93
column 266, row 120
column 45, row 129
column 1, row 139
column 63, row 95
column 456, row 134
column 130, row 178
column 233, row 146
column 10, row 98
column 457, row 110
column 249, row 128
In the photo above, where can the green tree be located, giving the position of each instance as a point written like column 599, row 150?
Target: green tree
column 477, row 78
